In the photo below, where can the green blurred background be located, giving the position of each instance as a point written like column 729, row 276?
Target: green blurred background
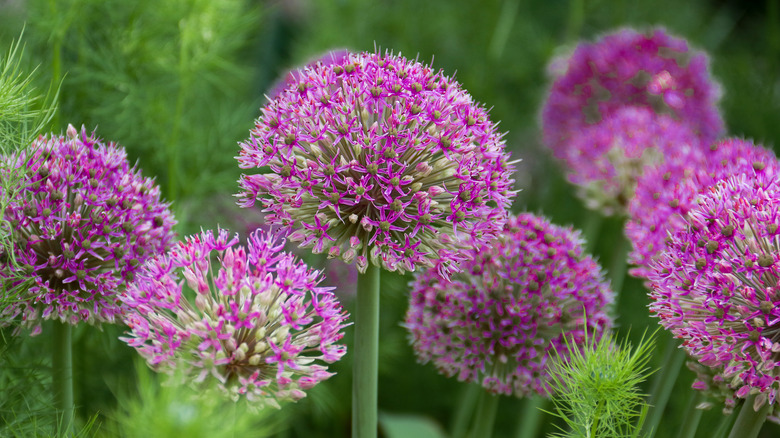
column 178, row 83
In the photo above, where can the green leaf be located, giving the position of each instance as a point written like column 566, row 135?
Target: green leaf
column 409, row 426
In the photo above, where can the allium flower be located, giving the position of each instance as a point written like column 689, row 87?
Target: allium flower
column 84, row 221
column 666, row 193
column 293, row 76
column 605, row 159
column 251, row 318
column 715, row 285
column 377, row 159
column 653, row 70
column 501, row 320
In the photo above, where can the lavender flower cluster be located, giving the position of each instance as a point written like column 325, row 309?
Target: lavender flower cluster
column 377, row 159
column 625, row 102
column 83, row 223
column 512, row 309
column 253, row 318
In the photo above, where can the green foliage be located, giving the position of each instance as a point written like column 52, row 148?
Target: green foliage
column 596, row 391
column 23, row 115
column 156, row 409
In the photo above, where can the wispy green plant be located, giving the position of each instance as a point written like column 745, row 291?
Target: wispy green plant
column 158, row 409
column 596, row 392
column 170, row 81
column 24, row 113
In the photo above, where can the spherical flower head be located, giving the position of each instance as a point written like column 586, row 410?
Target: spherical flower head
column 502, row 319
column 653, row 70
column 378, row 159
column 665, row 194
column 605, row 159
column 294, row 76
column 715, row 283
column 83, row 223
column 252, row 319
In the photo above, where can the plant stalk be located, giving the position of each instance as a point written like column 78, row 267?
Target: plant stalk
column 62, row 375
column 465, row 408
column 531, row 416
column 663, row 385
column 485, row 416
column 749, row 421
column 365, row 377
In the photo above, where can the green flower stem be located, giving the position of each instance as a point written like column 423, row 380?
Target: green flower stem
column 663, row 384
column 591, row 229
column 62, row 375
column 364, row 382
column 619, row 267
column 531, row 416
column 749, row 421
column 723, row 426
column 466, row 405
column 485, row 416
column 692, row 415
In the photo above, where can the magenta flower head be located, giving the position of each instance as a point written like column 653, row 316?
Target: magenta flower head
column 605, row 159
column 665, row 194
column 715, row 284
column 294, row 76
column 83, row 223
column 377, row 159
column 252, row 319
column 652, row 70
column 502, row 319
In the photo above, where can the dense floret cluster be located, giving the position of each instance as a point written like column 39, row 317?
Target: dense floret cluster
column 501, row 320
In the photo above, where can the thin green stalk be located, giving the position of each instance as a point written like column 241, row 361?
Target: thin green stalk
column 692, row 415
column 466, row 405
column 663, row 385
column 62, row 375
column 591, row 229
column 575, row 19
column 723, row 426
column 485, row 416
column 619, row 267
column 531, row 416
column 749, row 421
column 503, row 28
column 364, row 383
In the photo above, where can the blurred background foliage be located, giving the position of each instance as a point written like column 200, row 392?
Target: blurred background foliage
column 179, row 82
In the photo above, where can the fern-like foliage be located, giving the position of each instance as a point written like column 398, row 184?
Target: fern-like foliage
column 596, row 392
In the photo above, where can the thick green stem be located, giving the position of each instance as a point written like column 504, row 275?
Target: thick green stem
column 486, row 415
column 749, row 421
column 364, row 382
column 531, row 416
column 62, row 375
column 663, row 385
column 468, row 400
column 692, row 415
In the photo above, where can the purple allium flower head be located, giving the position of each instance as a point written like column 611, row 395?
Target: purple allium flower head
column 498, row 321
column 715, row 284
column 605, row 159
column 377, row 159
column 252, row 318
column 293, row 76
column 666, row 193
column 653, row 70
column 83, row 222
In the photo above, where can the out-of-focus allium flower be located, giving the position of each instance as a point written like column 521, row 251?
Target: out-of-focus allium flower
column 653, row 70
column 377, row 159
column 83, row 222
column 715, row 285
column 501, row 320
column 666, row 193
column 252, row 318
column 605, row 159
column 293, row 76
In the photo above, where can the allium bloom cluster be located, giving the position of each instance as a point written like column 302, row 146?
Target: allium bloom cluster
column 666, row 193
column 715, row 285
column 605, row 159
column 502, row 319
column 252, row 319
column 294, row 76
column 377, row 159
column 652, row 70
column 83, row 222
